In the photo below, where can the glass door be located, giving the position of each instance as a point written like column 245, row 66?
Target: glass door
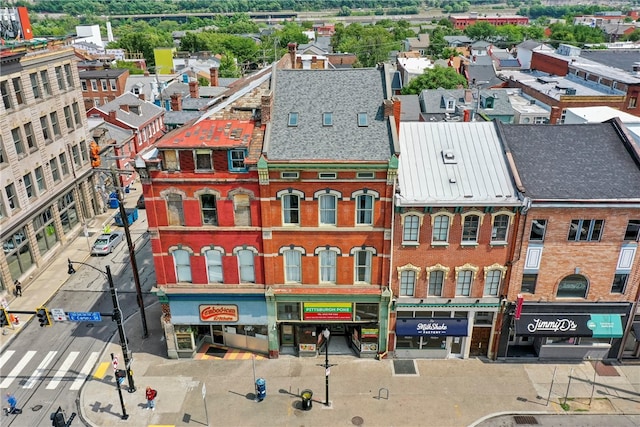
column 455, row 347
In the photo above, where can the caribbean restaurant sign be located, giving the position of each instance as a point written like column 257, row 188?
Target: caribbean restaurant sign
column 328, row 311
column 219, row 313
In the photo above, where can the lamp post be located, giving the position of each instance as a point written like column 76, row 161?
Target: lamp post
column 117, row 316
column 326, row 333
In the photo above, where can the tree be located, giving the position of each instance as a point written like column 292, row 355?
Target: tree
column 481, row 31
column 434, row 78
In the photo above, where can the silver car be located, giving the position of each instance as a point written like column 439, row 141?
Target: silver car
column 105, row 243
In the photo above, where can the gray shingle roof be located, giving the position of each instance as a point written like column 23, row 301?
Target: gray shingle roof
column 147, row 109
column 344, row 93
column 432, row 101
column 579, row 162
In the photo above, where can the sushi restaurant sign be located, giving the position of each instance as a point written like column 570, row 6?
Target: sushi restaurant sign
column 219, row 313
column 328, row 311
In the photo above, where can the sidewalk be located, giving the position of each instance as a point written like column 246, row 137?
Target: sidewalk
column 37, row 291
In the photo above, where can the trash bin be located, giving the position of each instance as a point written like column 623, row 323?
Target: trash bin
column 306, row 399
column 113, row 201
column 261, row 389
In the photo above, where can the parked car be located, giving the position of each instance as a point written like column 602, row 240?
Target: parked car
column 105, row 243
column 140, row 202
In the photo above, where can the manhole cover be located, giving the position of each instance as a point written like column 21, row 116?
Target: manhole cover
column 36, row 408
column 357, row 421
column 404, row 367
column 525, row 420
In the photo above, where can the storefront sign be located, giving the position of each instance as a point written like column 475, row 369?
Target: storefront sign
column 587, row 325
column 328, row 311
column 369, row 333
column 444, row 326
column 219, row 313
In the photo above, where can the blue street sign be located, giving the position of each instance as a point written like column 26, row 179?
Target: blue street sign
column 84, row 316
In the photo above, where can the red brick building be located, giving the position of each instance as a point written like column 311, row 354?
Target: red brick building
column 461, row 22
column 102, row 86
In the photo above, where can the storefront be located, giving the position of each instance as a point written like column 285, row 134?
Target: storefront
column 236, row 321
column 572, row 331
column 431, row 338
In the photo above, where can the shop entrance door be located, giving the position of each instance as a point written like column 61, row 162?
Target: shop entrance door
column 455, row 347
column 287, row 337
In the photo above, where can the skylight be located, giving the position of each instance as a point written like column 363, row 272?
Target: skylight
column 327, row 119
column 362, row 119
column 293, row 119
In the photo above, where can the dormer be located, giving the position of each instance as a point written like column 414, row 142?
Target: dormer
column 448, row 103
column 487, row 102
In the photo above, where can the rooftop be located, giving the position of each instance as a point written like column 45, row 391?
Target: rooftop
column 210, row 134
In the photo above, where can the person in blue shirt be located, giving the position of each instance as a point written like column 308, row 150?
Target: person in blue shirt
column 12, row 401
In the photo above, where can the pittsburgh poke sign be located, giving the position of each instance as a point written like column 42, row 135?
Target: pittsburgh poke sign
column 219, row 313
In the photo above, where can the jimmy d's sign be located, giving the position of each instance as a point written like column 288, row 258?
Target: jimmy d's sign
column 581, row 325
column 219, row 313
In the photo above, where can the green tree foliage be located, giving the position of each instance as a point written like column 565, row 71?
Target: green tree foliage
column 130, row 66
column 243, row 49
column 633, row 37
column 444, row 77
column 141, row 37
column 576, row 34
column 481, row 30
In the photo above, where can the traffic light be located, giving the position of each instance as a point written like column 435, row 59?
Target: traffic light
column 95, row 155
column 43, row 316
column 121, row 374
column 4, row 317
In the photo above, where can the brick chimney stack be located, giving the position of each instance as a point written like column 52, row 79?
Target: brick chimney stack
column 266, row 103
column 176, row 102
column 292, row 53
column 112, row 115
column 387, row 108
column 141, row 96
column 193, row 90
column 213, row 74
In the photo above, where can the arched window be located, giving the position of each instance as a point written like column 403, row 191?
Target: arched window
column 328, row 266
column 573, row 286
column 246, row 266
column 328, row 205
column 292, row 266
column 214, row 265
column 182, row 262
column 411, row 228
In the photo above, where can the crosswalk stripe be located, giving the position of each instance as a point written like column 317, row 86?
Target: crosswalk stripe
column 102, row 369
column 40, row 370
column 6, row 356
column 84, row 372
column 17, row 369
column 59, row 376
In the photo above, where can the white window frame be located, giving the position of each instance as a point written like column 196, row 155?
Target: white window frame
column 405, row 272
column 461, row 289
column 367, row 266
column 183, row 271
column 355, row 196
column 494, row 216
column 434, row 217
column 246, row 267
column 438, row 268
column 406, row 219
column 292, row 268
column 463, row 217
column 332, row 270
column 286, row 195
column 213, row 267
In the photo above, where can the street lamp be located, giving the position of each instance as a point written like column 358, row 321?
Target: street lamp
column 326, row 333
column 117, row 316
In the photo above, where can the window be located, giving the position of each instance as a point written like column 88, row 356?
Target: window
column 328, row 204
column 440, row 229
column 619, row 283
column 470, row 228
column 94, row 85
column 538, row 227
column 60, row 78
column 17, row 89
column 242, row 209
column 84, row 154
column 327, row 175
column 6, row 96
column 203, row 160
column 451, row 105
column 209, row 209
column 182, row 261
column 76, row 155
column 28, row 131
column 289, row 175
column 236, row 160
column 410, row 228
column 174, row 209
column 17, row 140
column 105, row 87
column 291, row 209
column 96, row 102
column 362, row 120
column 292, row 266
column 35, row 85
column 246, row 266
column 44, row 124
column 112, row 83
column 436, row 281
column 463, row 284
column 573, row 286
column 45, row 231
column 76, row 114
column 363, row 266
column 328, row 266
column 54, row 123
column 68, row 74
column 585, row 229
column 365, row 175
column 40, row 179
column 67, row 118
column 633, row 230
column 3, row 157
column 364, row 209
column 528, row 285
column 293, row 119
column 28, row 185
column 500, row 228
column 53, row 165
column 63, row 164
column 407, row 283
column 83, row 84
column 214, row 265
column 170, row 160
column 492, row 282
column 633, row 102
column 327, row 119
column 12, row 200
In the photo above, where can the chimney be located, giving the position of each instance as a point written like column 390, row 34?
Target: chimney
column 468, row 96
column 467, row 115
column 141, row 96
column 213, row 74
column 266, row 103
column 387, row 106
column 176, row 102
column 292, row 53
column 397, row 109
column 112, row 116
column 193, row 89
column 124, row 107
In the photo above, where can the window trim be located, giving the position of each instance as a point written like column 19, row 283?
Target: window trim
column 592, row 226
column 434, row 216
column 510, row 216
column 318, row 252
column 236, row 252
column 436, row 268
column 280, row 195
column 463, row 217
column 403, row 223
column 474, row 271
column 408, row 268
column 368, row 268
column 355, row 197
column 301, row 253
column 586, row 290
column 230, row 158
column 189, row 251
column 491, row 269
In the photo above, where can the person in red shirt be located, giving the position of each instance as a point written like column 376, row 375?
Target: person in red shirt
column 151, row 398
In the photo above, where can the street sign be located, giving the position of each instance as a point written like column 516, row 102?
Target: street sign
column 84, row 316
column 115, row 363
column 58, row 314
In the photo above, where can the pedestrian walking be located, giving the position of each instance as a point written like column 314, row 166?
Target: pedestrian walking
column 18, row 286
column 151, row 395
column 12, row 401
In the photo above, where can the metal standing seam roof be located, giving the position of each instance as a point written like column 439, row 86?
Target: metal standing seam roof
column 344, row 93
column 478, row 176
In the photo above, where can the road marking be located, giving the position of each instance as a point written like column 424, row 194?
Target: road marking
column 17, row 369
column 102, row 370
column 84, row 372
column 40, row 370
column 59, row 376
column 6, row 356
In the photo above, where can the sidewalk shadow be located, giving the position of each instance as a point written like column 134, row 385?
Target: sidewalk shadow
column 607, row 386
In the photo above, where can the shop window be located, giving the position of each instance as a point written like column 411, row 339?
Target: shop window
column 585, row 230
column 292, row 266
column 367, row 311
column 175, row 210
column 291, row 209
column 619, row 283
column 407, row 283
column 209, row 208
column 410, row 229
column 528, row 285
column 440, row 232
column 364, row 209
column 214, row 265
column 483, row 318
column 463, row 284
column 68, row 212
column 182, row 262
column 17, row 252
column 363, row 266
column 328, row 266
column 538, row 228
column 632, row 232
column 573, row 286
column 203, row 160
column 328, row 204
column 470, row 226
column 500, row 228
column 436, row 281
column 246, row 266
column 45, row 231
column 288, row 311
